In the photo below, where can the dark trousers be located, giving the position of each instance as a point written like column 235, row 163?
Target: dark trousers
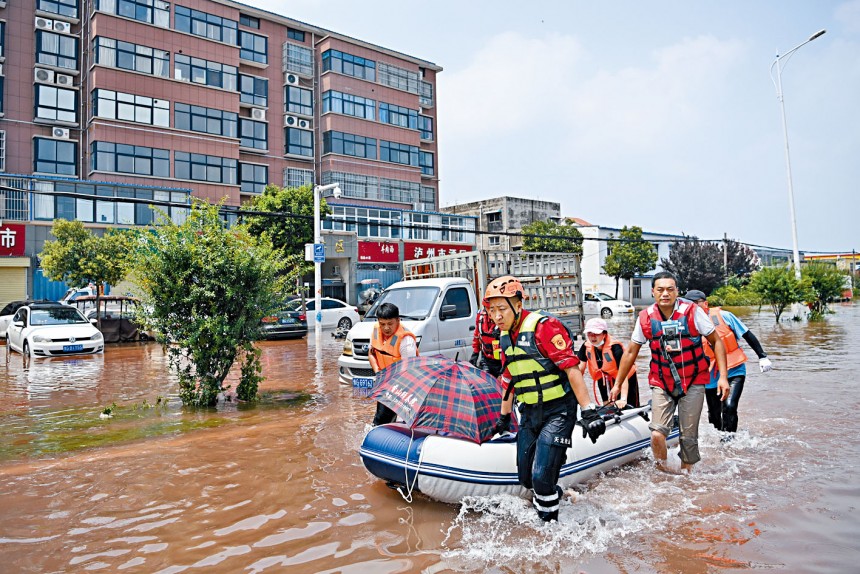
column 724, row 414
column 383, row 415
column 492, row 366
column 542, row 443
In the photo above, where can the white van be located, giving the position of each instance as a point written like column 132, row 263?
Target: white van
column 439, row 312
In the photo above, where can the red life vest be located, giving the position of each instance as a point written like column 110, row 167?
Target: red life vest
column 691, row 362
column 387, row 352
column 609, row 367
column 488, row 334
column 734, row 354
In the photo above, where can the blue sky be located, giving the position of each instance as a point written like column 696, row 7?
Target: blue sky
column 657, row 114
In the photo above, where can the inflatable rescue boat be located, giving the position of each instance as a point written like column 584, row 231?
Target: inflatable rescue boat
column 447, row 469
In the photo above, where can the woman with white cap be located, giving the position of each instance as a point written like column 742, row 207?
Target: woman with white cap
column 601, row 355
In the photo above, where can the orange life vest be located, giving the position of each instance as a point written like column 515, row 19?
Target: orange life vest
column 609, row 367
column 387, row 352
column 691, row 363
column 488, row 334
column 734, row 354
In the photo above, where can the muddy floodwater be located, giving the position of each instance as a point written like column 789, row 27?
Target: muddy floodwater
column 280, row 487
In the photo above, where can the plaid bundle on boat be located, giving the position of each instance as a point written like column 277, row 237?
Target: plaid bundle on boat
column 441, row 395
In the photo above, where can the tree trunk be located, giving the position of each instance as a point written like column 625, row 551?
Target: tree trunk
column 616, row 287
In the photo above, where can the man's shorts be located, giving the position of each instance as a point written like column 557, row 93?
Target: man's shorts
column 689, row 413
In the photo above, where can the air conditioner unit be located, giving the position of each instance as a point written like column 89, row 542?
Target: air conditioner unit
column 291, row 79
column 64, row 27
column 44, row 76
column 65, row 80
column 61, row 133
column 258, row 113
column 296, row 122
column 44, row 24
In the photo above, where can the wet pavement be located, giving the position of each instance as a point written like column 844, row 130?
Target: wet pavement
column 280, row 486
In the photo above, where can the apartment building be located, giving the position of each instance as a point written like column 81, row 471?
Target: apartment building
column 501, row 218
column 162, row 101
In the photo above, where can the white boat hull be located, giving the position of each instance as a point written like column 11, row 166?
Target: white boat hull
column 448, row 469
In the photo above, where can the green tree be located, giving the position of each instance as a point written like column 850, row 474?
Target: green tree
column 206, row 287
column 778, row 288
column 289, row 225
column 742, row 262
column 824, row 283
column 696, row 264
column 79, row 257
column 629, row 257
column 553, row 237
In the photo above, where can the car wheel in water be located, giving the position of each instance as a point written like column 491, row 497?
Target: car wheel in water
column 606, row 313
column 26, row 349
column 344, row 323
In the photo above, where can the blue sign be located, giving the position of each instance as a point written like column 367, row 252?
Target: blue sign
column 319, row 252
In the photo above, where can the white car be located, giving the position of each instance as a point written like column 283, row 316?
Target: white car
column 597, row 303
column 52, row 330
column 8, row 312
column 335, row 313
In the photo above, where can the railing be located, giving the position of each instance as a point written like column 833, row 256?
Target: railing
column 14, row 198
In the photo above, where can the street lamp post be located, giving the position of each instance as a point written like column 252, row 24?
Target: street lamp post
column 318, row 191
column 778, row 64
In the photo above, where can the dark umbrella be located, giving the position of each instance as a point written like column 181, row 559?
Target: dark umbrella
column 442, row 395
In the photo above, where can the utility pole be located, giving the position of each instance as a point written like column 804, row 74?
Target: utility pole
column 725, row 258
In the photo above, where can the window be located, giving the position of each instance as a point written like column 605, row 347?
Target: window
column 459, row 298
column 134, row 57
column 56, row 50
column 298, row 101
column 56, row 104
column 425, row 160
column 131, row 108
column 205, row 25
column 367, row 222
column 398, row 78
column 297, row 35
column 103, row 207
column 253, row 178
column 254, row 134
column 2, row 150
column 427, row 198
column 133, row 159
column 349, row 144
column 55, row 156
column 425, row 124
column 150, row 11
column 454, row 225
column 494, row 240
column 348, row 105
column 254, row 90
column 253, row 47
column 417, row 221
column 62, row 7
column 206, row 120
column 2, row 38
column 344, row 63
column 294, row 177
column 425, row 93
column 637, row 289
column 205, row 72
column 298, row 59
column 199, row 167
column 299, row 142
column 371, row 187
column 398, row 116
column 249, row 21
column 398, row 153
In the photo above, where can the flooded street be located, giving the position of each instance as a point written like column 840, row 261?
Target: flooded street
column 280, row 486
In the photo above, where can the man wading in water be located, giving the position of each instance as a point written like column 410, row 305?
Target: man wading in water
column 679, row 367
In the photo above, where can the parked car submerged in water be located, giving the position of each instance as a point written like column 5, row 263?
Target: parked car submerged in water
column 335, row 313
column 9, row 310
column 597, row 303
column 52, row 330
column 284, row 324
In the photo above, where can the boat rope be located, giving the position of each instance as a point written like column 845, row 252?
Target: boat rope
column 410, row 487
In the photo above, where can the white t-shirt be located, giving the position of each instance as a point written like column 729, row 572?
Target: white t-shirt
column 703, row 325
column 408, row 348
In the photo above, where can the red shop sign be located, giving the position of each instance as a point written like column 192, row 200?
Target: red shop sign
column 378, row 252
column 414, row 250
column 11, row 240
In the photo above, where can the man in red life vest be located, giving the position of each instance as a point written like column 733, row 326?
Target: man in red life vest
column 389, row 343
column 724, row 414
column 485, row 344
column 601, row 354
column 674, row 330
